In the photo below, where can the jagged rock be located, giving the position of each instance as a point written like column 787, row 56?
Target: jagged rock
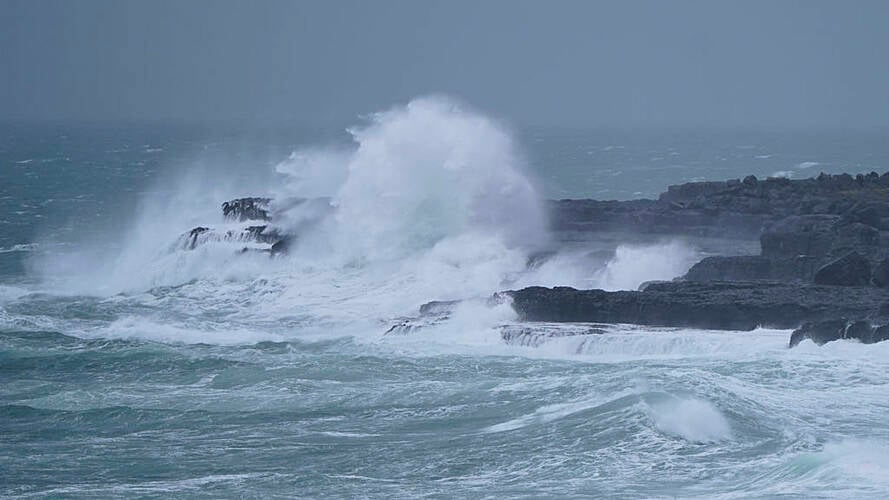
column 262, row 234
column 243, row 209
column 878, row 334
column 713, row 305
column 192, row 239
column 822, row 332
column 250, row 234
column 852, row 269
column 860, row 330
column 819, row 332
column 301, row 215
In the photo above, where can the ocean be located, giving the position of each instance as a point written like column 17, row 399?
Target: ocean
column 131, row 367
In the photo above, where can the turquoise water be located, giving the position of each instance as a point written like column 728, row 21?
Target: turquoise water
column 129, row 369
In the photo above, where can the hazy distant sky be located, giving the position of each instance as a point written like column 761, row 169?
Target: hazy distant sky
column 584, row 63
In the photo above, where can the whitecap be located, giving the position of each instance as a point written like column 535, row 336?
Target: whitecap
column 21, row 247
column 692, row 419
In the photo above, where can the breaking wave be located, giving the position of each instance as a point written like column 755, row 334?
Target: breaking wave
column 429, row 201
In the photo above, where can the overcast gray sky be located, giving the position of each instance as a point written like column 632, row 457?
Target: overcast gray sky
column 585, row 63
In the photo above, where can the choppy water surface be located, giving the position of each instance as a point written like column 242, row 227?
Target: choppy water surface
column 131, row 368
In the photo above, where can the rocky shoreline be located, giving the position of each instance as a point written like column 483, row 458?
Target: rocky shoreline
column 822, row 269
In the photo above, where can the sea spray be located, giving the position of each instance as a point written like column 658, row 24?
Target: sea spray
column 429, row 201
column 420, row 174
column 633, row 265
column 693, row 419
column 272, row 377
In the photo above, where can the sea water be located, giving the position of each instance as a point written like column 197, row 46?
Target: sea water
column 131, row 367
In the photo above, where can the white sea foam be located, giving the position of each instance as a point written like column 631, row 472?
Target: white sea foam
column 545, row 414
column 135, row 327
column 807, row 164
column 429, row 202
column 621, row 343
column 864, row 459
column 22, row 247
column 8, row 292
column 691, row 419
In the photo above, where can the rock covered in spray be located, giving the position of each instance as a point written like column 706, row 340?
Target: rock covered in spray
column 244, row 209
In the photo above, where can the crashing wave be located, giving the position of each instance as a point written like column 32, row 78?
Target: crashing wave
column 245, row 213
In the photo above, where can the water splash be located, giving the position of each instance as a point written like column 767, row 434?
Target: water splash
column 691, row 419
column 633, row 265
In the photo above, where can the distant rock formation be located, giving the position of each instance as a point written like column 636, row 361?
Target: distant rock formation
column 824, row 260
column 733, row 208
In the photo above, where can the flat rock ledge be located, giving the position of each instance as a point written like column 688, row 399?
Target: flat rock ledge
column 710, row 305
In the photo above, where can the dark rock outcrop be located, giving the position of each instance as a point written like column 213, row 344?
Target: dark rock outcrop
column 733, row 208
column 795, row 248
column 732, row 268
column 299, row 213
column 191, row 240
column 822, row 332
column 251, row 234
column 244, row 209
column 819, row 332
column 716, row 305
column 851, row 269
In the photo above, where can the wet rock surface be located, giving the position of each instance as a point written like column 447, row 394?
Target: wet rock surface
column 243, row 209
column 712, row 305
column 264, row 235
column 822, row 332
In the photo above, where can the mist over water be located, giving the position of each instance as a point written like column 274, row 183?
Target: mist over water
column 429, row 202
column 189, row 373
